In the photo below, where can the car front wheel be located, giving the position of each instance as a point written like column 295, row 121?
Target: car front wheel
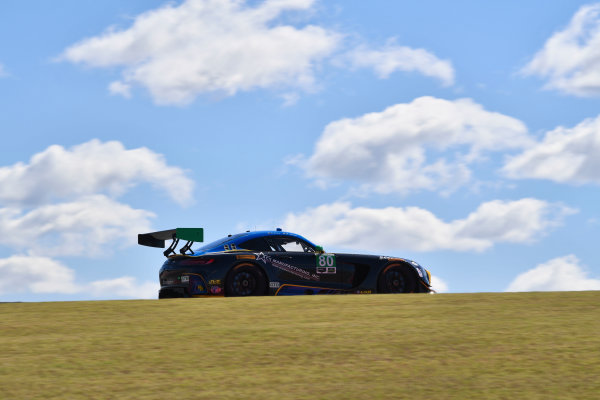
column 397, row 279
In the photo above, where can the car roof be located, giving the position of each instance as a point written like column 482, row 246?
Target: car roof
column 242, row 237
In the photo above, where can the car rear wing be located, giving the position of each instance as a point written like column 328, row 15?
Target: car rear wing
column 157, row 239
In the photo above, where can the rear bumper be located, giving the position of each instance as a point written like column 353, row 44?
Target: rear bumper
column 172, row 292
column 182, row 283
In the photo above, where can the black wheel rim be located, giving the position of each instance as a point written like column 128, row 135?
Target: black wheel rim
column 394, row 281
column 243, row 284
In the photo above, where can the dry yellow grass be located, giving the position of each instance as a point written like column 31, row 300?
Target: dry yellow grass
column 445, row 346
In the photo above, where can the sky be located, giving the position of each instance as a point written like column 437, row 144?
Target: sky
column 463, row 135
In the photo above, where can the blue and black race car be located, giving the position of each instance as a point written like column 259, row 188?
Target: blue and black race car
column 275, row 263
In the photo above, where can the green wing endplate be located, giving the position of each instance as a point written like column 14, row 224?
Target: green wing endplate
column 157, row 239
column 190, row 234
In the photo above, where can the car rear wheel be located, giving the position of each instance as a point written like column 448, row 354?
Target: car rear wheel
column 245, row 280
column 397, row 279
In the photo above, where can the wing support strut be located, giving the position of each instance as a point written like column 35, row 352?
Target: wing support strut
column 172, row 247
column 157, row 239
column 187, row 247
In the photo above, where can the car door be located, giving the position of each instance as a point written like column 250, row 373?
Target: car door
column 313, row 269
column 291, row 261
column 295, row 268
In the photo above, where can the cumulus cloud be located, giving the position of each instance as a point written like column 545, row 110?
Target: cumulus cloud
column 563, row 273
column 124, row 287
column 120, row 88
column 392, row 58
column 35, row 274
column 84, row 222
column 180, row 51
column 565, row 155
column 438, row 284
column 417, row 229
column 83, row 227
column 391, row 150
column 89, row 168
column 570, row 59
column 24, row 273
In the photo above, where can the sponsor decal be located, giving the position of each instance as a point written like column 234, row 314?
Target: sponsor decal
column 214, row 282
column 363, row 292
column 185, row 279
column 326, row 264
column 326, row 270
column 302, row 273
column 216, row 289
column 274, row 285
column 197, row 284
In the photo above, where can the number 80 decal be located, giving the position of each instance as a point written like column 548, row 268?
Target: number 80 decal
column 326, row 264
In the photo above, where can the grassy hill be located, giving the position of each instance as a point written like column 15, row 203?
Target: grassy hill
column 488, row 345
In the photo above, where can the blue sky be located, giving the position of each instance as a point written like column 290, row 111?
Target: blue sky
column 463, row 135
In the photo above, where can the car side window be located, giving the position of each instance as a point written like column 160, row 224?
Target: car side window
column 256, row 244
column 291, row 244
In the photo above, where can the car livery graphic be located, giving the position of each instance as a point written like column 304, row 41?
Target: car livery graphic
column 275, row 263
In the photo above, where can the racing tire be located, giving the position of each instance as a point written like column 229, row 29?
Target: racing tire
column 397, row 278
column 245, row 280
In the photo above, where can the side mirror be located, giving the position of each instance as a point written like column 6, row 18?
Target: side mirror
column 319, row 249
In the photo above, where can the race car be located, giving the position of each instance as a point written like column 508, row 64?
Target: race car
column 275, row 263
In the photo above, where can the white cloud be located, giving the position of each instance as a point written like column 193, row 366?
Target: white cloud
column 566, row 155
column 83, row 227
column 178, row 52
column 120, row 88
column 23, row 273
column 200, row 46
column 417, row 229
column 124, row 287
column 391, row 150
column 3, row 72
column 392, row 58
column 438, row 284
column 519, row 221
column 563, row 273
column 89, row 168
column 570, row 59
column 35, row 274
